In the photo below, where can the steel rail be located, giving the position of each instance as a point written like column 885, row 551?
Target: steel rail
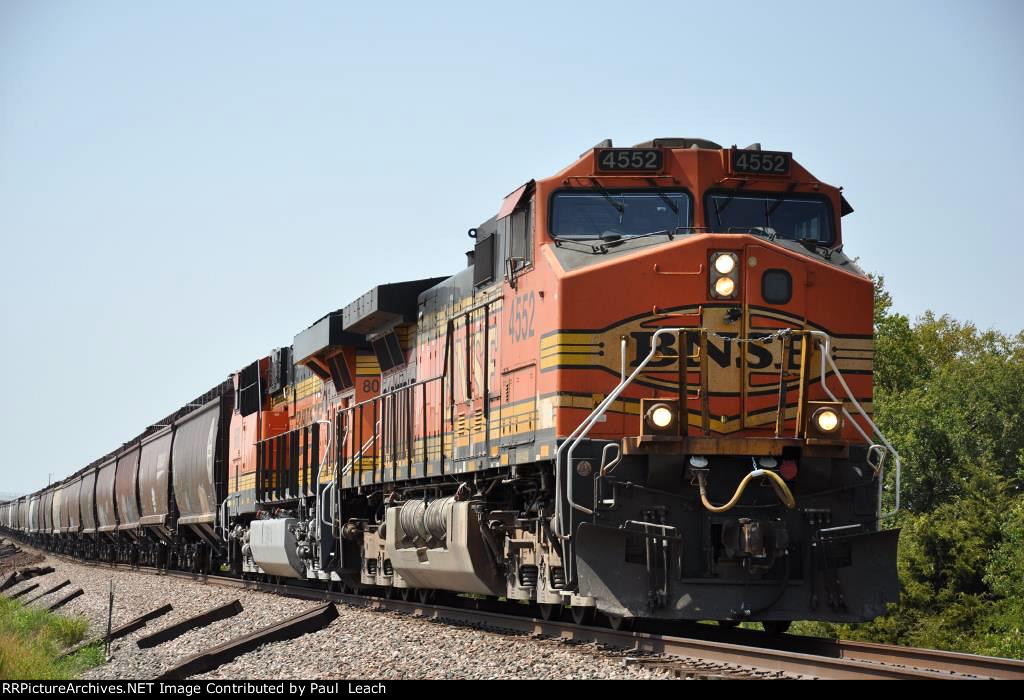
column 985, row 666
column 721, row 652
column 971, row 665
column 809, row 656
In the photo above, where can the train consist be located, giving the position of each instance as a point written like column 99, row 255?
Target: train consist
column 648, row 394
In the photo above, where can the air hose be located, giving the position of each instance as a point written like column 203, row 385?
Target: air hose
column 781, row 490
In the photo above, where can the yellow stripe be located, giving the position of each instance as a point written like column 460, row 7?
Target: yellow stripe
column 367, row 365
column 308, row 387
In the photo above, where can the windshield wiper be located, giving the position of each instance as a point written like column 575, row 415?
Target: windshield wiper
column 614, row 239
column 815, row 246
column 728, row 201
column 585, row 247
column 780, row 200
column 596, row 186
column 662, row 232
column 766, row 231
column 610, row 239
column 664, row 197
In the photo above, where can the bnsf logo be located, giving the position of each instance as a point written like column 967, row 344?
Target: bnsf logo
column 721, row 352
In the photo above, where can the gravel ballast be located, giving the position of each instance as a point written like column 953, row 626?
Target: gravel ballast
column 359, row 644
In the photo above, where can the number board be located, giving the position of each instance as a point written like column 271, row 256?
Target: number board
column 614, row 160
column 760, row 162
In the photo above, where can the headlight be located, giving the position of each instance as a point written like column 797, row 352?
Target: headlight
column 725, row 264
column 724, row 277
column 660, row 416
column 827, row 420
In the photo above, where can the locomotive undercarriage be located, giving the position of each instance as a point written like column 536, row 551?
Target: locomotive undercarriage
column 487, row 534
column 650, row 549
column 653, row 549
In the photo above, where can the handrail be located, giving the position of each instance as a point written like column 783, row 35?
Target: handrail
column 588, row 423
column 396, row 390
column 565, row 451
column 320, row 467
column 223, row 513
column 344, row 469
column 574, row 439
column 380, row 401
column 826, row 356
column 359, row 455
column 607, row 467
column 330, row 489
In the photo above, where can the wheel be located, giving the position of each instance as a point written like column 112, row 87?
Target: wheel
column 550, row 611
column 776, row 626
column 405, row 594
column 729, row 624
column 424, row 595
column 582, row 615
column 618, row 622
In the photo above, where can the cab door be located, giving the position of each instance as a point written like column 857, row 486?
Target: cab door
column 774, row 294
column 471, row 388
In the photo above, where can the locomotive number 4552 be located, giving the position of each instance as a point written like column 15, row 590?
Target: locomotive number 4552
column 619, row 159
column 761, row 162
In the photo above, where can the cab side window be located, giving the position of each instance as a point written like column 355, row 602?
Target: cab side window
column 520, row 238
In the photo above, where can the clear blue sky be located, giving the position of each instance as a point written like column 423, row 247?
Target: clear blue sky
column 185, row 185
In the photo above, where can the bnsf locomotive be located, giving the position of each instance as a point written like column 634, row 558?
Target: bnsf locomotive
column 648, row 395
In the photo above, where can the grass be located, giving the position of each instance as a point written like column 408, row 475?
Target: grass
column 31, row 639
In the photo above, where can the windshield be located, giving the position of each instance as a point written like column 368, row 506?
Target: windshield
column 791, row 217
column 587, row 214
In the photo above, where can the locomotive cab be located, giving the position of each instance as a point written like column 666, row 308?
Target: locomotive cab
column 726, row 465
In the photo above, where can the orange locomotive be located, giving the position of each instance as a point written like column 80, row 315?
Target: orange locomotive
column 648, row 395
column 533, row 435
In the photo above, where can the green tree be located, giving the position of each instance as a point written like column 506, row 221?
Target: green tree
column 1003, row 631
column 951, row 399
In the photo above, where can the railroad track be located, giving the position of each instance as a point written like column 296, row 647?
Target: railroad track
column 706, row 651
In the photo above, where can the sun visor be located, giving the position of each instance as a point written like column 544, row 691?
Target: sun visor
column 511, row 202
